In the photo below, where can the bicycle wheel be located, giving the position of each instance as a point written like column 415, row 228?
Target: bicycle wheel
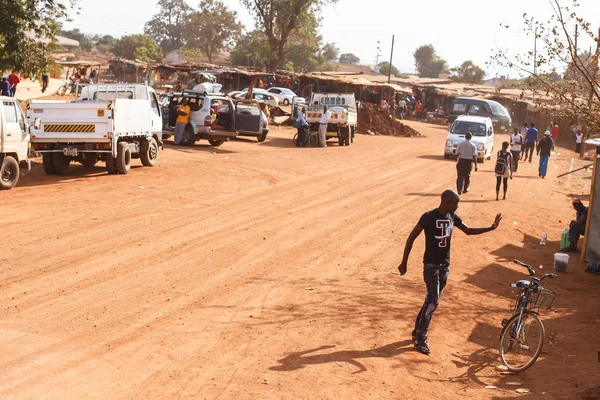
column 521, row 341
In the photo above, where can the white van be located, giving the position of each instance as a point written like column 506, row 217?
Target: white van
column 482, row 130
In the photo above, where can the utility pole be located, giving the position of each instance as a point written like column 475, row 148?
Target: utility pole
column 378, row 53
column 534, row 62
column 391, row 58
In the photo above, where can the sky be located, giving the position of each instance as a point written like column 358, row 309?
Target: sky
column 459, row 30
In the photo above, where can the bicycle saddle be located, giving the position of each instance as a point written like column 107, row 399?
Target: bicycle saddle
column 521, row 284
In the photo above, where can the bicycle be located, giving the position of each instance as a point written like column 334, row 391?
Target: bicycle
column 522, row 335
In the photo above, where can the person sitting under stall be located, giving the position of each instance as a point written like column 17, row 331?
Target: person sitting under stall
column 577, row 226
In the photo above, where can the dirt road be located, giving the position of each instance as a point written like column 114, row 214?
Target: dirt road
column 267, row 271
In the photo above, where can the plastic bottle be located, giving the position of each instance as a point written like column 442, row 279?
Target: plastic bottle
column 544, row 239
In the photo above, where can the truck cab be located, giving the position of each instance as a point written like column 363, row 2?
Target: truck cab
column 14, row 142
column 344, row 116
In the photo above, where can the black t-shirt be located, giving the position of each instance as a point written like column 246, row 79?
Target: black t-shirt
column 438, row 233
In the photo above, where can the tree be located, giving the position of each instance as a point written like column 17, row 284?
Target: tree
column 212, row 29
column 23, row 24
column 251, row 50
column 349, row 58
column 577, row 95
column 167, row 26
column 304, row 49
column 85, row 42
column 428, row 63
column 104, row 43
column 330, row 51
column 278, row 19
column 140, row 47
column 384, row 68
column 468, row 72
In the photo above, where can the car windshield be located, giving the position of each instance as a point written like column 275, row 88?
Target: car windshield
column 288, row 92
column 464, row 127
column 459, row 107
column 498, row 109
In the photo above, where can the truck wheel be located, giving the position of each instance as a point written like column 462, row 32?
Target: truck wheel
column 89, row 160
column 348, row 136
column 262, row 138
column 215, row 143
column 123, row 158
column 149, row 153
column 61, row 163
column 48, row 164
column 188, row 138
column 111, row 164
column 9, row 173
column 352, row 134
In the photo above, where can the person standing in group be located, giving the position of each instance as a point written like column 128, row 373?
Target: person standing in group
column 4, row 87
column 393, row 106
column 45, row 82
column 13, row 80
column 401, row 107
column 525, row 147
column 516, row 143
column 183, row 118
column 531, row 140
column 325, row 118
column 438, row 225
column 544, row 148
column 418, row 110
column 467, row 156
column 503, row 169
column 578, row 141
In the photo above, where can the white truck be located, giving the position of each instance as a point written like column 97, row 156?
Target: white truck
column 344, row 116
column 14, row 142
column 113, row 123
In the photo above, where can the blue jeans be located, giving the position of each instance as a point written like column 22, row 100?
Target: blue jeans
column 543, row 165
column 435, row 276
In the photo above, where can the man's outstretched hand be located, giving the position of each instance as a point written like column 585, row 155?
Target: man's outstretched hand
column 497, row 221
column 402, row 268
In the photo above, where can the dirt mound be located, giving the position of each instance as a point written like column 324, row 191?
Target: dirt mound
column 372, row 120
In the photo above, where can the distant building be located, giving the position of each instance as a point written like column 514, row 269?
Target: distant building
column 495, row 82
column 64, row 44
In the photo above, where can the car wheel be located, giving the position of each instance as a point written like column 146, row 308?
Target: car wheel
column 286, row 102
column 9, row 173
column 215, row 143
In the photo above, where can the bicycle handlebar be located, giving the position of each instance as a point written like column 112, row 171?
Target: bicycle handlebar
column 529, row 268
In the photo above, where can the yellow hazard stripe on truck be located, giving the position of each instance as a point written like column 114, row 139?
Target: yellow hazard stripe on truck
column 70, row 128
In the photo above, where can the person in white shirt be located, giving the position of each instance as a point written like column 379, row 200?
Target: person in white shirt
column 325, row 118
column 578, row 141
column 401, row 108
column 516, row 143
column 467, row 156
column 524, row 134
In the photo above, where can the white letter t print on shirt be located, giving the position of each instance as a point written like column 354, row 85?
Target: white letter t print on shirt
column 446, row 226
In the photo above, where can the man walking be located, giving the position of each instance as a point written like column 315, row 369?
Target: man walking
column 531, row 140
column 467, row 156
column 401, row 107
column 525, row 147
column 45, row 81
column 13, row 80
column 183, row 118
column 325, row 118
column 516, row 141
column 544, row 148
column 438, row 225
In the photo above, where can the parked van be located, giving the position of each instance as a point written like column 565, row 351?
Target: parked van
column 483, row 108
column 482, row 130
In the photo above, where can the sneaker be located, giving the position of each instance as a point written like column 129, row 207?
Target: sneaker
column 466, row 190
column 423, row 348
column 414, row 335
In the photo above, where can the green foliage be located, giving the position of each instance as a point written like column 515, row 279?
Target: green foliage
column 349, row 58
column 251, row 51
column 212, row 28
column 428, row 63
column 167, row 26
column 85, row 42
column 23, row 22
column 134, row 46
column 279, row 19
column 384, row 68
column 331, row 52
column 468, row 72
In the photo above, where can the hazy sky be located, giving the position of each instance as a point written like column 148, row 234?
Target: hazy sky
column 459, row 30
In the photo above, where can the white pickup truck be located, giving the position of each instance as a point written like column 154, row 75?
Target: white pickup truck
column 113, row 123
column 14, row 142
column 344, row 116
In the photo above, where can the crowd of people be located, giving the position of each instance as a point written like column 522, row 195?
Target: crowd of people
column 8, row 84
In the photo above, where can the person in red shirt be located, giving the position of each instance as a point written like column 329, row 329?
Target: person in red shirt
column 13, row 80
column 419, row 110
column 554, row 131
